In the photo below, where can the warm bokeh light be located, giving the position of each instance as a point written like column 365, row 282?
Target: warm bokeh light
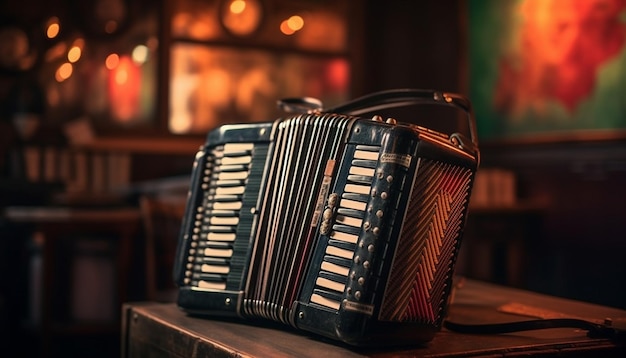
column 121, row 75
column 73, row 54
column 53, row 28
column 292, row 25
column 242, row 17
column 295, row 22
column 237, row 6
column 112, row 61
column 140, row 54
column 125, row 89
column 285, row 29
column 64, row 72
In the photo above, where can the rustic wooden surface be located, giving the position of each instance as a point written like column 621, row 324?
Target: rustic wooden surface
column 163, row 330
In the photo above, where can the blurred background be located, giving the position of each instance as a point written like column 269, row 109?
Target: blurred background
column 105, row 102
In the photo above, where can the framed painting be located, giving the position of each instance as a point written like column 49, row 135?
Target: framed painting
column 548, row 69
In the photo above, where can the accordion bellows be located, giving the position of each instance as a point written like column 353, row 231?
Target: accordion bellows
column 344, row 226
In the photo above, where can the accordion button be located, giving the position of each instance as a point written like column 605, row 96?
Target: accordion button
column 357, row 295
column 389, row 178
column 377, row 118
column 379, row 213
column 332, row 199
column 376, row 231
column 366, row 265
column 361, row 281
column 328, row 213
column 384, row 195
column 370, row 248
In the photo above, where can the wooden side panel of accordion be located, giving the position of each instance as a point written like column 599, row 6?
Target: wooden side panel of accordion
column 382, row 273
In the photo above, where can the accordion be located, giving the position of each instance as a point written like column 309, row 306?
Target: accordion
column 332, row 223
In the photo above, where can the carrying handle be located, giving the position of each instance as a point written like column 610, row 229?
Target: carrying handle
column 403, row 97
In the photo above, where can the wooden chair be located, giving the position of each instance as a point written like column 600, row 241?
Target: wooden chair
column 162, row 217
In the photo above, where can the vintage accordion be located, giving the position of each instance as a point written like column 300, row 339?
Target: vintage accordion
column 344, row 226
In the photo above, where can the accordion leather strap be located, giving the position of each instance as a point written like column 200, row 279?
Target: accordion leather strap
column 405, row 97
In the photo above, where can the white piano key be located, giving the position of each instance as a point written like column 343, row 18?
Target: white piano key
column 336, row 251
column 228, row 205
column 224, row 220
column 362, row 154
column 230, row 190
column 238, row 147
column 362, row 171
column 215, row 269
column 342, row 236
column 212, row 285
column 347, row 220
column 353, row 204
column 330, row 284
column 334, row 268
column 323, row 301
column 232, row 175
column 213, row 252
column 245, row 159
column 221, row 236
column 356, row 188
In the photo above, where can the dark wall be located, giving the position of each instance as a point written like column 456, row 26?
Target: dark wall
column 412, row 44
column 581, row 186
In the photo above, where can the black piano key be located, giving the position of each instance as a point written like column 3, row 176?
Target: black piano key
column 347, row 229
column 351, row 212
column 333, row 277
column 369, row 148
column 365, row 163
column 329, row 294
column 342, row 245
column 356, row 197
column 361, row 179
column 338, row 261
column 211, row 260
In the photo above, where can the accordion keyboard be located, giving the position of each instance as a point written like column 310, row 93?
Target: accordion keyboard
column 344, row 237
column 225, row 179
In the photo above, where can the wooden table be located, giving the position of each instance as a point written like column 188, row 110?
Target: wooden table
column 162, row 330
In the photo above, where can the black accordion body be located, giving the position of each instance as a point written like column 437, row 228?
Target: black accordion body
column 343, row 226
